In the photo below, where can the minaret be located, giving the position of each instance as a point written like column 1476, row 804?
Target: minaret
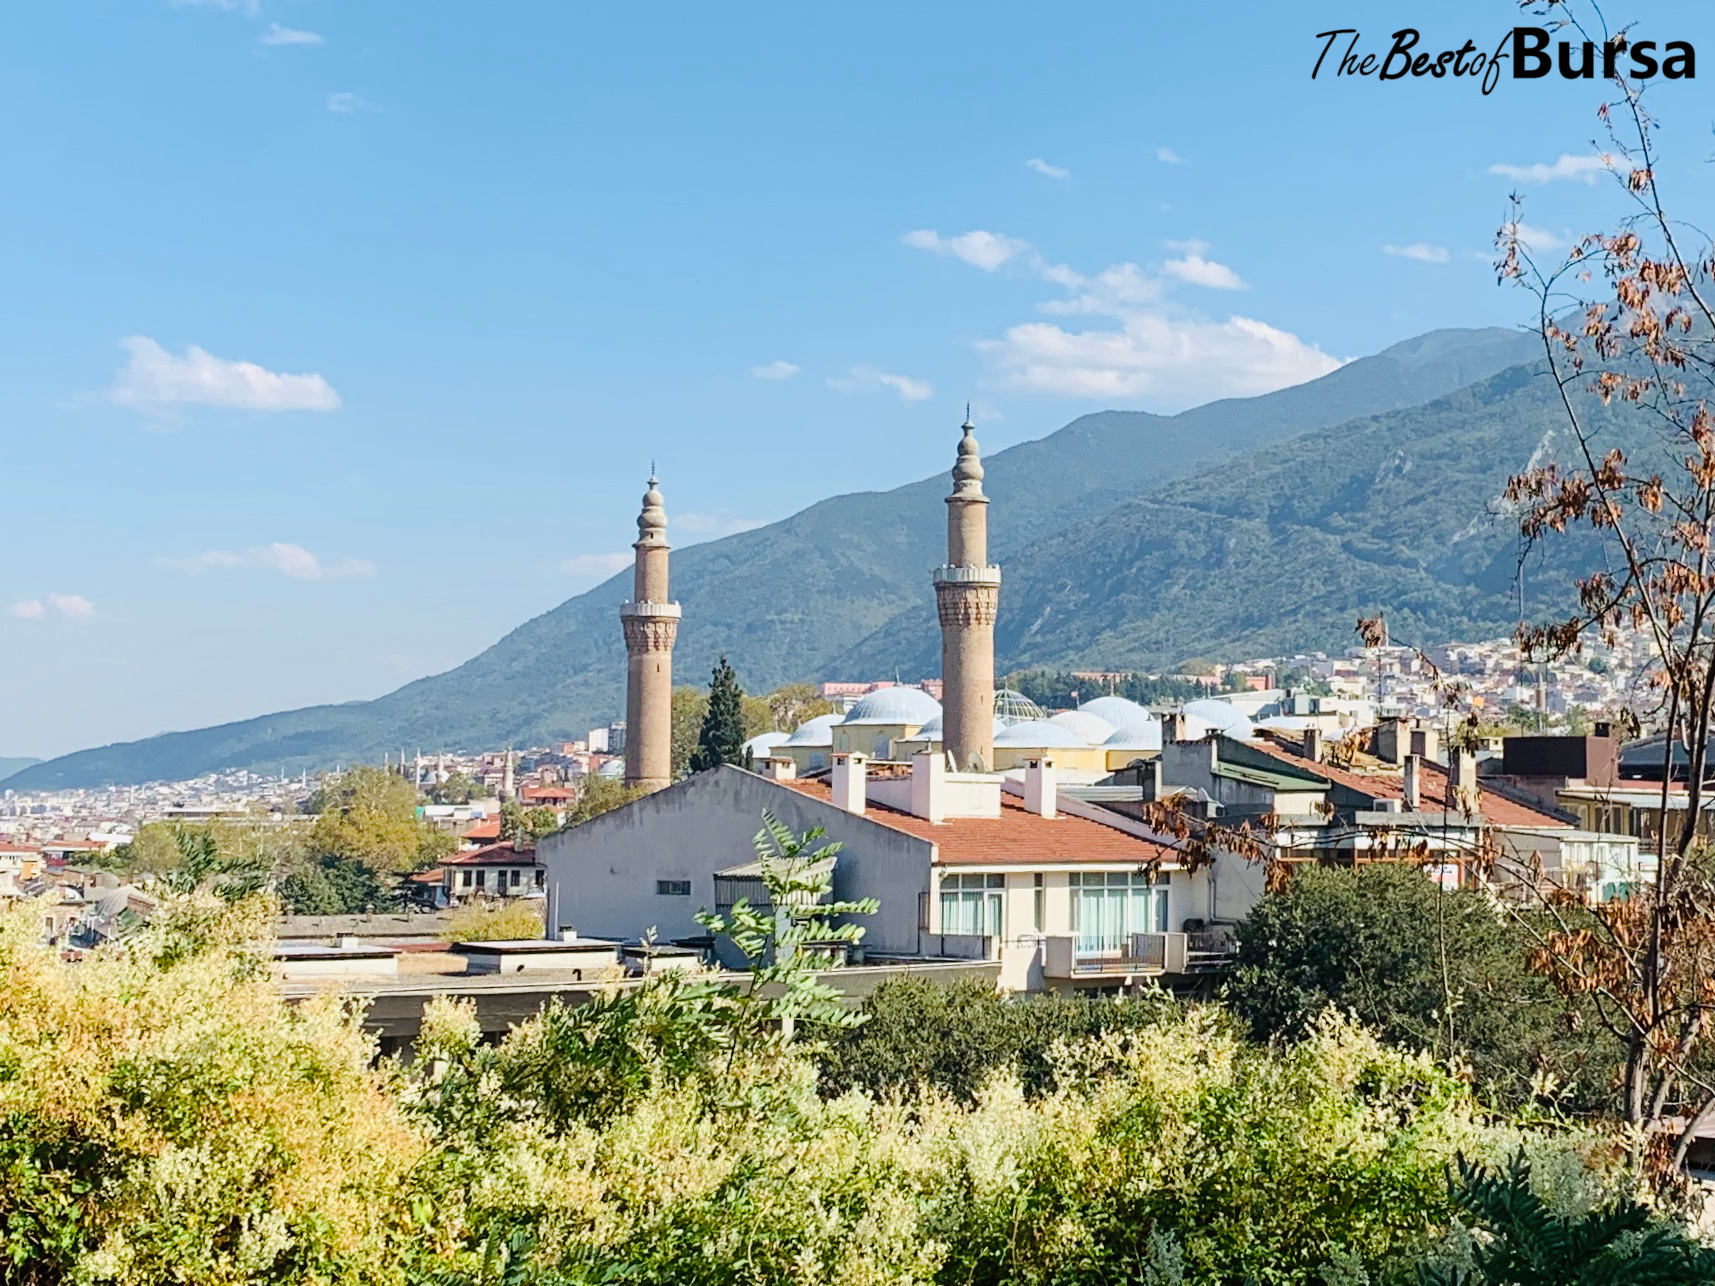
column 506, row 789
column 967, row 592
column 651, row 623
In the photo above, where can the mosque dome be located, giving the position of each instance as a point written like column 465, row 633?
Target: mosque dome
column 1092, row 729
column 907, row 707
column 1221, row 716
column 1119, row 711
column 814, row 732
column 762, row 745
column 1142, row 735
column 612, row 768
column 1039, row 734
column 1015, row 707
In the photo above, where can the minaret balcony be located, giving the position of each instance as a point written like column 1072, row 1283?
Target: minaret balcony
column 966, row 574
column 655, row 611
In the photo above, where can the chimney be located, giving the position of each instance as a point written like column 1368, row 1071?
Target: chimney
column 1462, row 778
column 1392, row 740
column 781, row 768
column 1040, row 787
column 1425, row 744
column 929, row 786
column 1153, row 789
column 1172, row 727
column 1313, row 745
column 1413, row 784
column 848, row 782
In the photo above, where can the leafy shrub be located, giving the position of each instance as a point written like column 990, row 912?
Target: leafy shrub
column 956, row 1038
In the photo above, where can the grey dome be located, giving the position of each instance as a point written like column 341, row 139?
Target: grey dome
column 1090, row 728
column 1039, row 734
column 1119, row 711
column 814, row 732
column 908, row 707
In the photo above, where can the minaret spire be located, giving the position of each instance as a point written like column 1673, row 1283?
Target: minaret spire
column 651, row 622
column 967, row 596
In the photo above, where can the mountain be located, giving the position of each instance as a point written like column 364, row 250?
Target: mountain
column 787, row 600
column 1399, row 513
column 10, row 766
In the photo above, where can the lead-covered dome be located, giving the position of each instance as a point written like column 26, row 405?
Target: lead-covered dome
column 814, row 732
column 1039, row 734
column 1092, row 729
column 907, row 707
column 1119, row 711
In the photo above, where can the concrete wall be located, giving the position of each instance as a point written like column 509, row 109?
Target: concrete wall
column 602, row 875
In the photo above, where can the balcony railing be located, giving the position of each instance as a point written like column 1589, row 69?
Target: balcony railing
column 1198, row 951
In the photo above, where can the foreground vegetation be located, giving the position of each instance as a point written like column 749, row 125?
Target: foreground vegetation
column 165, row 1116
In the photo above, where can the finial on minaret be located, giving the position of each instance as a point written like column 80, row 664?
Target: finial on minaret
column 968, row 471
column 968, row 423
column 652, row 521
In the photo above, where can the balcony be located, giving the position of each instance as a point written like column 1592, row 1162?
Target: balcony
column 1201, row 951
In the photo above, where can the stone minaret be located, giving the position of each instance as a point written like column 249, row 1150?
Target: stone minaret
column 651, row 623
column 967, row 592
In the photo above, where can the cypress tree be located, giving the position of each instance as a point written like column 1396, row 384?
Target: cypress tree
column 722, row 737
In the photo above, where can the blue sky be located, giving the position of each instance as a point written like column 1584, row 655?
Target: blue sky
column 339, row 335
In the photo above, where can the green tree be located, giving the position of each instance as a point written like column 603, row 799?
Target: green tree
column 792, row 704
column 369, row 815
column 598, row 795
column 329, row 885
column 526, row 824
column 919, row 1034
column 1528, row 1243
column 786, row 942
column 458, row 788
column 1426, row 967
column 722, row 738
column 690, row 706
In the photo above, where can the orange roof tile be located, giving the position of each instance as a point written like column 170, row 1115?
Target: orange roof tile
column 1434, row 788
column 487, row 828
column 1017, row 837
column 490, row 855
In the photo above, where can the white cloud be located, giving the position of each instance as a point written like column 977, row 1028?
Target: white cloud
column 1167, row 156
column 1158, row 352
column 1203, row 272
column 75, row 606
column 985, row 250
column 863, row 379
column 29, row 609
column 1534, row 238
column 345, row 102
column 774, row 371
column 714, row 525
column 595, row 566
column 1421, row 251
column 1164, row 359
column 1583, row 169
column 1052, row 171
column 289, row 560
column 154, row 379
column 278, row 35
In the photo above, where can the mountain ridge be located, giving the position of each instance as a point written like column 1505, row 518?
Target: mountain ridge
column 796, row 597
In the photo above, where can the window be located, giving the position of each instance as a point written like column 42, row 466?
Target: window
column 972, row 903
column 1108, row 907
column 1038, row 904
column 482, row 879
column 464, row 879
column 517, row 878
column 540, row 878
column 673, row 888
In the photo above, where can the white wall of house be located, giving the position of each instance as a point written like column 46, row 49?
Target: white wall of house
column 651, row 864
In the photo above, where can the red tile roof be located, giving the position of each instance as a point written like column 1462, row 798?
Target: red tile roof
column 487, row 828
column 493, row 854
column 1389, row 783
column 1017, row 837
column 564, row 793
